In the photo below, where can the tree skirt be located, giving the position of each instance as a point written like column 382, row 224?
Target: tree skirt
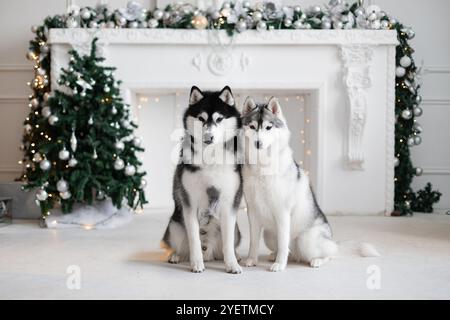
column 100, row 215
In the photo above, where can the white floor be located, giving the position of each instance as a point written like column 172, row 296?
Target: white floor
column 127, row 263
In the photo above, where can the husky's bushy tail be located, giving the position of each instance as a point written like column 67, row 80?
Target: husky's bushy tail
column 361, row 249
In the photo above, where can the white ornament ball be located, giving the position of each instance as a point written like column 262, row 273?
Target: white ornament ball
column 400, row 72
column 405, row 61
column 119, row 164
column 130, row 170
column 419, row 171
column 114, row 110
column 142, row 183
column 34, row 102
column 406, row 114
column 73, row 162
column 45, row 165
column 261, row 26
column 46, row 112
column 417, row 140
column 396, row 162
column 65, row 195
column 46, row 96
column 418, row 99
column 287, row 23
column 62, row 185
column 417, row 111
column 34, row 28
column 326, row 25
column 64, row 154
column 385, row 24
column 133, row 24
column 153, row 23
column 241, row 26
column 119, row 145
column 137, row 142
column 257, row 16
column 297, row 24
column 52, row 120
column 417, row 127
column 158, row 14
column 85, row 13
column 41, row 195
column 93, row 24
column 27, row 128
column 410, row 141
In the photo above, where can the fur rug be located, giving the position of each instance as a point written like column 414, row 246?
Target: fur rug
column 100, row 215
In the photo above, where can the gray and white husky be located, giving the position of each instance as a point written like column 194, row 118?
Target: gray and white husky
column 207, row 194
column 279, row 198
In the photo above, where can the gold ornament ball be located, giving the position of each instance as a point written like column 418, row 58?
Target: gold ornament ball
column 199, row 22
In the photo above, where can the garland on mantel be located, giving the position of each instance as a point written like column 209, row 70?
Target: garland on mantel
column 265, row 16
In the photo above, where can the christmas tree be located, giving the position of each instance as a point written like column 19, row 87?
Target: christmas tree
column 78, row 142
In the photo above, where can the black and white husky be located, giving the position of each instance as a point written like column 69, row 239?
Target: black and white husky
column 279, row 198
column 207, row 185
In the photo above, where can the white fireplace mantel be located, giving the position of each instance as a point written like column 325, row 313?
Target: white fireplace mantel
column 350, row 73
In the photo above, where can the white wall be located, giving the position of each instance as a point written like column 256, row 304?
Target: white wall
column 428, row 18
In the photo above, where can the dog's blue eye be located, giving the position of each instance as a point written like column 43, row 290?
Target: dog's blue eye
column 252, row 127
column 219, row 119
column 268, row 127
column 201, row 119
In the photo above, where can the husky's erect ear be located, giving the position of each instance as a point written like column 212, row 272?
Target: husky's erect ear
column 226, row 96
column 195, row 96
column 274, row 106
column 249, row 105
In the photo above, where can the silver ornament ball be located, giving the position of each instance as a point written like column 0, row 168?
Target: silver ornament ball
column 64, row 154
column 417, row 140
column 45, row 165
column 257, row 16
column 287, row 23
column 417, row 111
column 406, row 114
column 73, row 162
column 142, row 183
column 65, row 195
column 34, row 102
column 241, row 26
column 52, row 120
column 130, row 170
column 158, row 14
column 85, row 13
column 418, row 171
column 62, row 185
column 400, row 72
column 119, row 145
column 137, row 142
column 153, row 23
column 41, row 195
column 119, row 164
column 261, row 26
column 396, row 162
column 410, row 141
column 405, row 61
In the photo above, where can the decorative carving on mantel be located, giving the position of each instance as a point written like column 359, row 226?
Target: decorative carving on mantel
column 197, row 61
column 356, row 60
column 220, row 63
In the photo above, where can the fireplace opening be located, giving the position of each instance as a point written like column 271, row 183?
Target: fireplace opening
column 159, row 116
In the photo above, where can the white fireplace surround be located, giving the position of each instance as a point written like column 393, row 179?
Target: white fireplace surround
column 349, row 74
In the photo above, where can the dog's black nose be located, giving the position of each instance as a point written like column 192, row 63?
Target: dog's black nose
column 258, row 144
column 208, row 141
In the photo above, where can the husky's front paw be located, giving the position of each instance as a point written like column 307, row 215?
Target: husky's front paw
column 276, row 267
column 233, row 267
column 251, row 262
column 174, row 258
column 317, row 262
column 197, row 266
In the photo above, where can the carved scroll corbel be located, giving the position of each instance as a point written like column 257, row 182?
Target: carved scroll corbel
column 357, row 78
